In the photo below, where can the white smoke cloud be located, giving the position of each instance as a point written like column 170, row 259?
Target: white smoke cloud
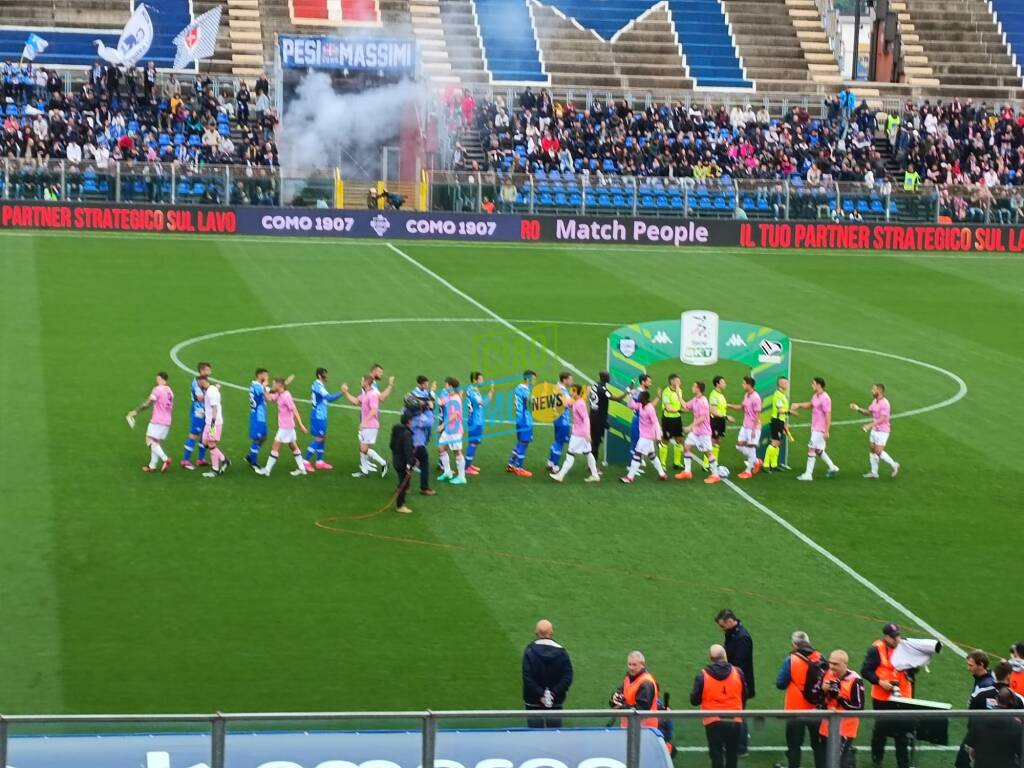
column 322, row 129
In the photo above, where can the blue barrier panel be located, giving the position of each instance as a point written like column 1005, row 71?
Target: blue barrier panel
column 517, row 748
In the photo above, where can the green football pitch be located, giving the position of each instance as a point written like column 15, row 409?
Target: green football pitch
column 122, row 591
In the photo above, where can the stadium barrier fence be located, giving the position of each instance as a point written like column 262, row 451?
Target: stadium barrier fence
column 442, row 739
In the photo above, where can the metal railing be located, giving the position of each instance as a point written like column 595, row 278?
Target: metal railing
column 430, row 722
column 833, row 31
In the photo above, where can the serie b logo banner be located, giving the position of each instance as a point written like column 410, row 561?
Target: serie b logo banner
column 698, row 336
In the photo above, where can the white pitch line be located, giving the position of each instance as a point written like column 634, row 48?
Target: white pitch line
column 488, row 311
column 847, row 569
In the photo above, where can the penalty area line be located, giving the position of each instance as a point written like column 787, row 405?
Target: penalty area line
column 778, row 519
column 847, row 569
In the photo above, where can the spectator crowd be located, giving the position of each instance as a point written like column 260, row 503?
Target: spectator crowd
column 134, row 117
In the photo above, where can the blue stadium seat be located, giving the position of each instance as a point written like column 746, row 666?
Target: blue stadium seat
column 509, row 41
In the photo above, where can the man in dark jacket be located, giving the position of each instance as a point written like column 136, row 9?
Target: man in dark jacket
column 720, row 686
column 739, row 649
column 547, row 675
column 982, row 696
column 403, row 459
column 995, row 742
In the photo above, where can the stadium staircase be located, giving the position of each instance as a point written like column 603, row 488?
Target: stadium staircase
column 240, row 46
column 426, row 25
column 964, row 46
column 462, row 37
column 1010, row 17
column 644, row 57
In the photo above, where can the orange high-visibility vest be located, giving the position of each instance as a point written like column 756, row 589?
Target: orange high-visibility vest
column 1017, row 682
column 886, row 671
column 848, row 725
column 797, row 678
column 722, row 694
column 629, row 692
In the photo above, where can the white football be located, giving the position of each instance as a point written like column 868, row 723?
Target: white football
column 723, row 471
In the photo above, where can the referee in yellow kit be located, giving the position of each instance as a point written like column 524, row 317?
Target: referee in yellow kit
column 779, row 402
column 719, row 415
column 672, row 422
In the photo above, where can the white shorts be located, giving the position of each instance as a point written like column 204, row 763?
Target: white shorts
column 450, row 440
column 579, row 445
column 368, row 436
column 878, row 438
column 817, row 441
column 701, row 442
column 158, row 431
column 286, row 436
column 644, row 446
column 749, row 436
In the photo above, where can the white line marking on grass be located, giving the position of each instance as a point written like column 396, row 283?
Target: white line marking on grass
column 848, row 570
column 488, row 311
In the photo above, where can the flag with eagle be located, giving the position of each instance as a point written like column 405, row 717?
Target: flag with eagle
column 198, row 40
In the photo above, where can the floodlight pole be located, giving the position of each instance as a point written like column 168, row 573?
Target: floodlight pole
column 856, row 39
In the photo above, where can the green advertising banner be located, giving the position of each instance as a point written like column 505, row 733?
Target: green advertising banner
column 697, row 339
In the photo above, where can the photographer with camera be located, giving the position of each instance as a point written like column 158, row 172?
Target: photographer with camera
column 843, row 690
column 639, row 690
column 800, row 677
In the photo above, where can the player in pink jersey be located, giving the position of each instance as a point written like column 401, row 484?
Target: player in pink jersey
column 449, row 437
column 750, row 432
column 161, row 400
column 214, row 427
column 369, row 401
column 820, row 406
column 698, row 435
column 287, row 417
column 579, row 439
column 878, row 430
column 650, row 433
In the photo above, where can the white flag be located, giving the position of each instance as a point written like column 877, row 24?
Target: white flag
column 136, row 37
column 199, row 39
column 34, row 45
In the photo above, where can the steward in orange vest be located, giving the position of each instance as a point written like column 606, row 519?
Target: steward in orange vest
column 800, row 675
column 1017, row 664
column 844, row 690
column 886, row 681
column 638, row 691
column 720, row 687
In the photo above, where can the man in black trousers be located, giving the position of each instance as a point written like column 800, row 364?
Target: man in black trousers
column 547, row 675
column 739, row 649
column 403, row 459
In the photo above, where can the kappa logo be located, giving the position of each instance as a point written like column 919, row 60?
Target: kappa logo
column 661, row 338
column 627, row 346
column 380, row 224
column 771, row 352
column 735, row 341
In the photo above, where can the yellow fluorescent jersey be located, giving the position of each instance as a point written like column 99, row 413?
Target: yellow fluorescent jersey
column 718, row 403
column 671, row 403
column 780, row 405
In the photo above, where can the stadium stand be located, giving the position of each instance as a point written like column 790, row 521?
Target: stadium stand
column 462, row 39
column 509, row 41
column 1010, row 17
column 964, row 46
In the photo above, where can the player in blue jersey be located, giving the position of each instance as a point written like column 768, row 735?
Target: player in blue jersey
column 318, row 421
column 521, row 396
column 197, row 420
column 563, row 424
column 257, row 415
column 475, row 418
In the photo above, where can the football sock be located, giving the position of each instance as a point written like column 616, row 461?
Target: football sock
column 713, row 464
column 828, row 462
column 320, row 451
column 714, row 450
column 254, row 452
column 202, row 453
column 311, row 451
column 375, row 457
column 677, row 454
column 566, row 466
column 153, row 458
column 873, row 459
column 591, row 464
column 364, row 463
column 657, row 465
column 771, row 456
column 215, row 455
column 521, row 453
column 884, row 456
column 687, row 461
column 298, row 461
column 159, row 451
column 555, row 454
column 634, row 467
column 190, row 446
column 446, row 464
column 271, row 462
column 460, row 465
column 663, row 453
column 470, row 454
column 810, row 465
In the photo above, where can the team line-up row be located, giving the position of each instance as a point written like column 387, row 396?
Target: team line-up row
column 580, row 424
